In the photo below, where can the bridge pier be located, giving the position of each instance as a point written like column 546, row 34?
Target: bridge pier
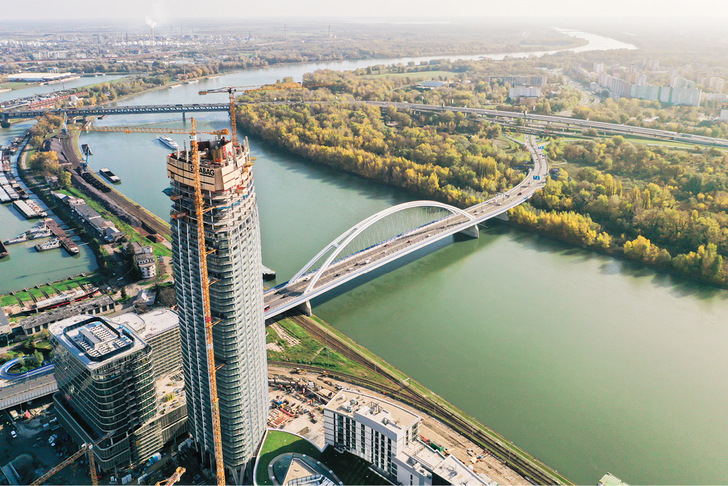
column 305, row 308
column 472, row 232
column 184, row 116
column 4, row 123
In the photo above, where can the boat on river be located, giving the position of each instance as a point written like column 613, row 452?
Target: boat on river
column 110, row 176
column 168, row 142
column 18, row 239
column 48, row 245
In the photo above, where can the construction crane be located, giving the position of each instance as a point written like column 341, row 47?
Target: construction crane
column 204, row 277
column 86, row 448
column 231, row 90
column 174, row 478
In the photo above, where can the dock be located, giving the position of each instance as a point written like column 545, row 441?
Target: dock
column 3, row 250
column 66, row 242
column 268, row 274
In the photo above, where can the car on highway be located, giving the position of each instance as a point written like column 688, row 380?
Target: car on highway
column 266, row 308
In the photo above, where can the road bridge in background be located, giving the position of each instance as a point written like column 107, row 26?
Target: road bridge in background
column 343, row 260
column 552, row 123
column 117, row 110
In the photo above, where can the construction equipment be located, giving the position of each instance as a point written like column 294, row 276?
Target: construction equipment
column 231, row 90
column 85, row 449
column 182, row 131
column 174, row 478
column 204, row 277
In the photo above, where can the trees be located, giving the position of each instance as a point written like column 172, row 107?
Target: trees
column 44, row 162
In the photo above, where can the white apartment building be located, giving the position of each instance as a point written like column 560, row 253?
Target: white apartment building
column 388, row 436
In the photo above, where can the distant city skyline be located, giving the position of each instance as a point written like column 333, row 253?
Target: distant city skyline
column 168, row 10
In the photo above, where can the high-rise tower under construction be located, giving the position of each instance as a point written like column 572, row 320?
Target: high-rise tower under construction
column 232, row 237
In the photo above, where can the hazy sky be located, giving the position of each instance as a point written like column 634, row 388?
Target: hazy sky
column 167, row 10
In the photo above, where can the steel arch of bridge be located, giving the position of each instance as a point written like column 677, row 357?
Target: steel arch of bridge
column 343, row 240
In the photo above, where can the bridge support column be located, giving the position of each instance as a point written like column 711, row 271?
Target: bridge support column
column 503, row 217
column 4, row 122
column 184, row 116
column 305, row 308
column 472, row 232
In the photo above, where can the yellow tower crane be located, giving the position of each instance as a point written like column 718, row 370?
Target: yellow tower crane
column 231, row 90
column 174, row 478
column 204, row 277
column 85, row 449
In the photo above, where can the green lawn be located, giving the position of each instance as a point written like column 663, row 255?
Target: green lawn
column 311, row 351
column 15, row 85
column 62, row 285
column 276, row 443
column 349, row 468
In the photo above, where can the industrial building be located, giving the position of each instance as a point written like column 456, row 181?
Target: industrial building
column 110, row 392
column 233, row 252
column 388, row 436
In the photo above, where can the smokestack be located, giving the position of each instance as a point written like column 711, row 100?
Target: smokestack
column 152, row 24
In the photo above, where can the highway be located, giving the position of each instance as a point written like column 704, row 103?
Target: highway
column 297, row 292
column 509, row 118
column 550, row 122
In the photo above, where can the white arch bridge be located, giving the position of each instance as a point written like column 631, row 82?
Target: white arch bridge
column 390, row 235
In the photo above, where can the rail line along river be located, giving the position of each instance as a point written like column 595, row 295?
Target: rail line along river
column 589, row 363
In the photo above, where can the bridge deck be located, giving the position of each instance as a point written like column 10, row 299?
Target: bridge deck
column 290, row 295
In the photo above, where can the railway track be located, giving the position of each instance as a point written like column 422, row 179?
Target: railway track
column 518, row 460
column 116, row 197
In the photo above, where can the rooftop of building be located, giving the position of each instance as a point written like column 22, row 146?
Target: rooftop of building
column 216, row 152
column 425, row 460
column 95, row 340
column 68, row 311
column 170, row 391
column 356, row 405
column 455, row 472
column 86, row 211
column 150, row 324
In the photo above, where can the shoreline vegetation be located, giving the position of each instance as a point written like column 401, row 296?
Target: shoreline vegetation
column 661, row 206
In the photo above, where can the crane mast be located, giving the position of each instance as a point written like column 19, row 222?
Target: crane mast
column 204, row 277
column 231, row 90
column 205, row 280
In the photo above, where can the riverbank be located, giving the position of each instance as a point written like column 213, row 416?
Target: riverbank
column 398, row 385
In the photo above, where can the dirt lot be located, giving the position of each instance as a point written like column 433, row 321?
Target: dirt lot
column 32, row 439
column 456, row 444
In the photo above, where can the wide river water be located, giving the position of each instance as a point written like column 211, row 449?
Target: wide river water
column 589, row 363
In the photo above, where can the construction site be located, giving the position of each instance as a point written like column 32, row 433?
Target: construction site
column 232, row 399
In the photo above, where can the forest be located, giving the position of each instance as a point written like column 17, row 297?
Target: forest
column 662, row 206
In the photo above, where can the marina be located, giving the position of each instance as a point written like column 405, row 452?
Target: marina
column 66, row 242
column 38, row 231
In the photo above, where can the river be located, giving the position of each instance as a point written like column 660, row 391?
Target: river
column 589, row 363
